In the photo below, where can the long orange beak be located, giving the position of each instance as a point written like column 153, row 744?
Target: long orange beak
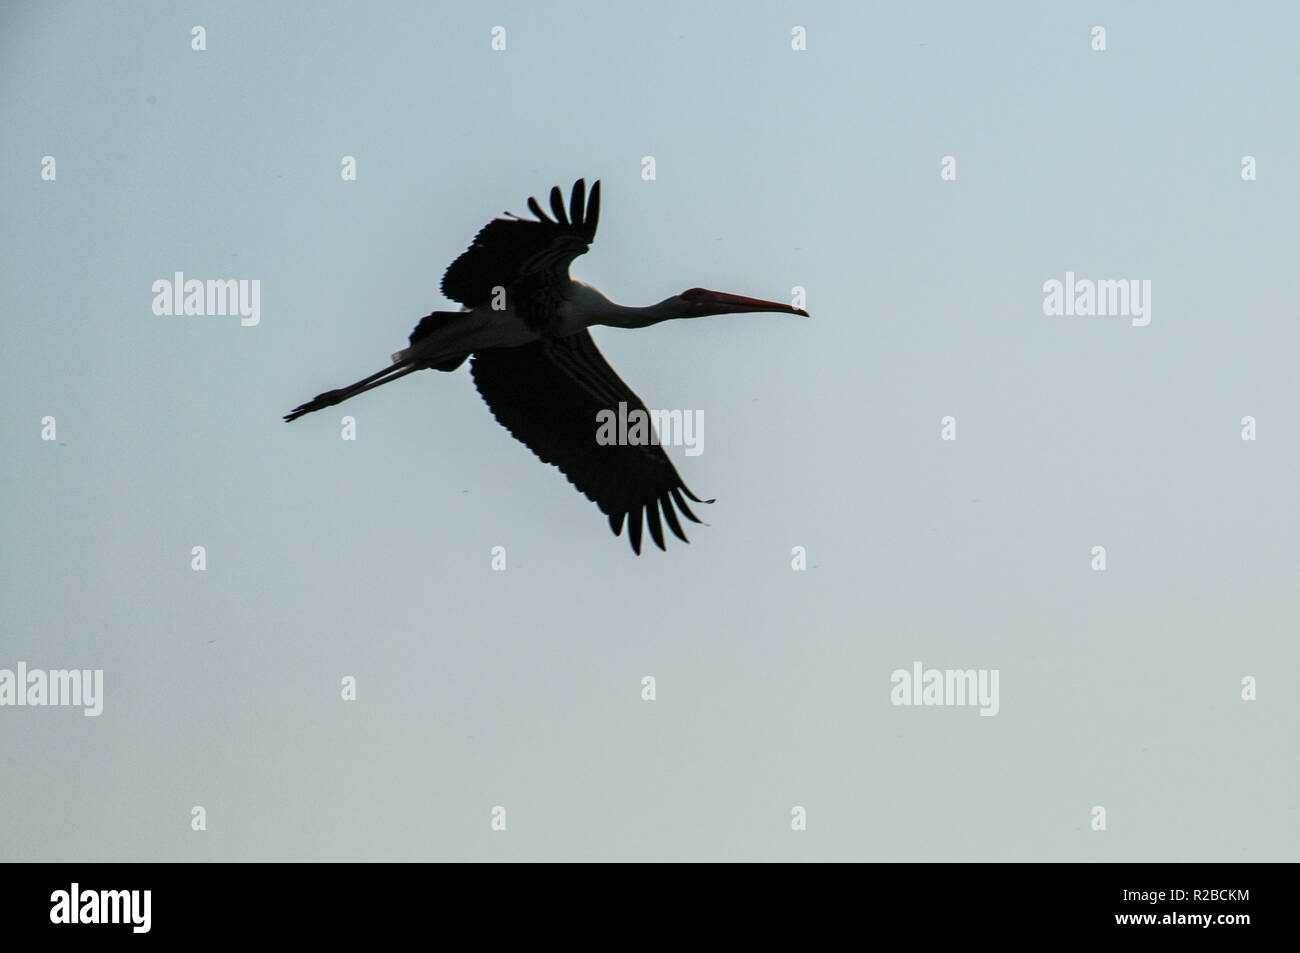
column 719, row 302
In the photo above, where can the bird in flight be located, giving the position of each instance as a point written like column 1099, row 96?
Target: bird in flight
column 524, row 323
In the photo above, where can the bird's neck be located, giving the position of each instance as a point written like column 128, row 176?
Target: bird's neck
column 597, row 309
column 624, row 317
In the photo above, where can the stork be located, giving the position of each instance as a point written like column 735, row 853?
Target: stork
column 524, row 322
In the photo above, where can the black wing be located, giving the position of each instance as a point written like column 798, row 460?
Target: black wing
column 507, row 251
column 548, row 395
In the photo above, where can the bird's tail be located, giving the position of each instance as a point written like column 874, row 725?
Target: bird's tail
column 332, row 397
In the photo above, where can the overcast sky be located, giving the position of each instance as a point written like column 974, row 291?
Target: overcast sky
column 775, row 169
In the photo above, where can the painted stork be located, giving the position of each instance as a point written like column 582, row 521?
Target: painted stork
column 525, row 322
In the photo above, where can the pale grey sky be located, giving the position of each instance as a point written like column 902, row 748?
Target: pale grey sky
column 775, row 169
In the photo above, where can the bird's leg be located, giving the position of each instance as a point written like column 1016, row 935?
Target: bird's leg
column 447, row 342
column 332, row 397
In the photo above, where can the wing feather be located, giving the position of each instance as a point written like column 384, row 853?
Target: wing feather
column 548, row 395
column 557, row 205
column 507, row 251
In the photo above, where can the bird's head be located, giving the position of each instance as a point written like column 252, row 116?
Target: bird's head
column 698, row 302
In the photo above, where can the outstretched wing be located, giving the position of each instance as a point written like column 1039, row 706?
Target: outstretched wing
column 548, row 395
column 509, row 251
